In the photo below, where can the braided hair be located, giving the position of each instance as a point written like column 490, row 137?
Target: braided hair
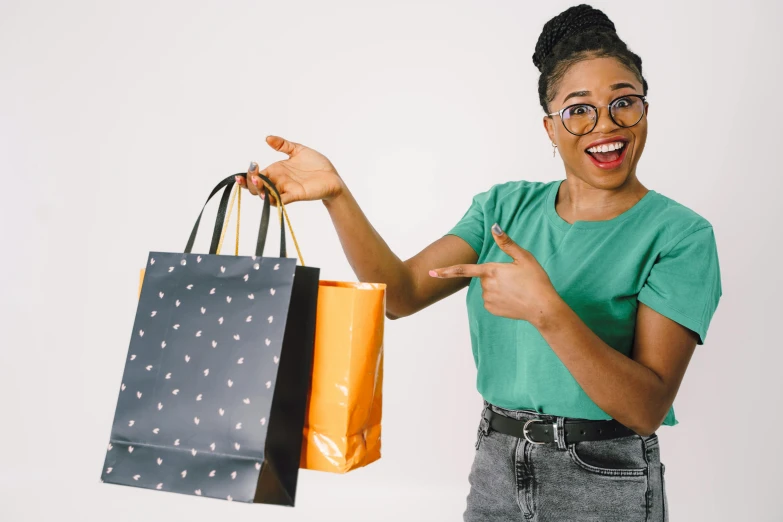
column 578, row 33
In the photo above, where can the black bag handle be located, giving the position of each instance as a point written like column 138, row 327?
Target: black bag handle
column 227, row 184
column 263, row 228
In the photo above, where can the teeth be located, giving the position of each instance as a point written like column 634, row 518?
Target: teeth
column 607, row 147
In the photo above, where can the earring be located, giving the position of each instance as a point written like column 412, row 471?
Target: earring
column 554, row 147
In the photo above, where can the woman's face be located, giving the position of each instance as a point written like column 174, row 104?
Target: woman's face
column 598, row 81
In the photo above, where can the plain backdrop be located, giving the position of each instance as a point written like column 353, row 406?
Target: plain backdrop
column 116, row 118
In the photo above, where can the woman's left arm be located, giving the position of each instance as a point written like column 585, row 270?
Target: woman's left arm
column 637, row 391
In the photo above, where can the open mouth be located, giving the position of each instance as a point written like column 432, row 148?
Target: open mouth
column 608, row 155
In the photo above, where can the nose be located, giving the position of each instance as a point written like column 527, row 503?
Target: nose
column 605, row 122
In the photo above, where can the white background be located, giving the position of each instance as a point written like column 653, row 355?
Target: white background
column 116, row 118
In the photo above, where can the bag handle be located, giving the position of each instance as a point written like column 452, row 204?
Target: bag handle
column 227, row 184
column 235, row 194
column 282, row 215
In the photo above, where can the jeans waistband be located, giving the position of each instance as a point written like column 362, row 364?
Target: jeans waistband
column 526, row 414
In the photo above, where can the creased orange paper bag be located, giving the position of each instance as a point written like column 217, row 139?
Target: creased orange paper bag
column 343, row 420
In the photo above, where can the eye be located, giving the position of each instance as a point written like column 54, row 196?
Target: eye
column 579, row 110
column 622, row 103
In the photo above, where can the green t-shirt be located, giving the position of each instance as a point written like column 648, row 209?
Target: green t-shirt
column 658, row 252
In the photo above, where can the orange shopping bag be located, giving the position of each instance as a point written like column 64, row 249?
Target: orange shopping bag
column 343, row 420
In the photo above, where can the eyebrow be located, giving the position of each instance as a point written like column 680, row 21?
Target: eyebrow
column 614, row 87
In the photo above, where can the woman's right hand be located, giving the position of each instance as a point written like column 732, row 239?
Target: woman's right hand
column 306, row 174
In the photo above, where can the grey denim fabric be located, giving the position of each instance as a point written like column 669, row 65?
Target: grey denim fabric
column 511, row 478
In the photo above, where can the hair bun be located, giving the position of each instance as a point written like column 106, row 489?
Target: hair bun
column 573, row 20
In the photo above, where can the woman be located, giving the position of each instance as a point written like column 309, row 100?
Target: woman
column 587, row 296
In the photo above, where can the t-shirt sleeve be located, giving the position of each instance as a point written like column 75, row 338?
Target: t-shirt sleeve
column 684, row 283
column 471, row 227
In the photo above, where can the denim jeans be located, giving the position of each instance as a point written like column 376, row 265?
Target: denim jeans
column 619, row 479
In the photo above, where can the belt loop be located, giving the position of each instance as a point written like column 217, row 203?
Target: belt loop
column 559, row 428
column 484, row 420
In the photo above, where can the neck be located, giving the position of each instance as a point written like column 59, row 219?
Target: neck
column 579, row 200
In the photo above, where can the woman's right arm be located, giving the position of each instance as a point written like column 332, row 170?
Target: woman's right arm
column 409, row 287
column 307, row 175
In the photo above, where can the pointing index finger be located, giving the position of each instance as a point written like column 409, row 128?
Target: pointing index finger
column 458, row 271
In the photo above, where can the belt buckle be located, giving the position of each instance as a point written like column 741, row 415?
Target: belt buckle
column 524, row 431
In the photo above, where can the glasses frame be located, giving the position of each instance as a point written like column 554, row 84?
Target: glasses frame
column 598, row 115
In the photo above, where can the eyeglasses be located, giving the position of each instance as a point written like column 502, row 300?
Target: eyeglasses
column 581, row 118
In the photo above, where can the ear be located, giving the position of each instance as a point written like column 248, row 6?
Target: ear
column 550, row 128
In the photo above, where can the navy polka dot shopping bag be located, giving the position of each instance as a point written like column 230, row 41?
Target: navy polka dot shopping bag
column 213, row 395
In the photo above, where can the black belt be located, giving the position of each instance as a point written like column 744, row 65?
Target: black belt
column 540, row 431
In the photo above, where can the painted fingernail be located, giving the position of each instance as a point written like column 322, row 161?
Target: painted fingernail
column 496, row 229
column 239, row 179
column 433, row 273
column 252, row 166
column 256, row 181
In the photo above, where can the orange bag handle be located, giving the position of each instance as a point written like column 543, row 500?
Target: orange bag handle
column 236, row 193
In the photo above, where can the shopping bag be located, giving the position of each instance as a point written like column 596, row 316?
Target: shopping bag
column 343, row 419
column 214, row 390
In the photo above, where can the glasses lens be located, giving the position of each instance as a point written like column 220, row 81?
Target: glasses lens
column 627, row 111
column 579, row 119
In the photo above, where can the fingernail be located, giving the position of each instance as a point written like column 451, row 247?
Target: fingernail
column 433, row 273
column 252, row 166
column 496, row 229
column 256, row 181
column 239, row 179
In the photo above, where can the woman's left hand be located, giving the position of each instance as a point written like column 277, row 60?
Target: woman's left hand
column 520, row 289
